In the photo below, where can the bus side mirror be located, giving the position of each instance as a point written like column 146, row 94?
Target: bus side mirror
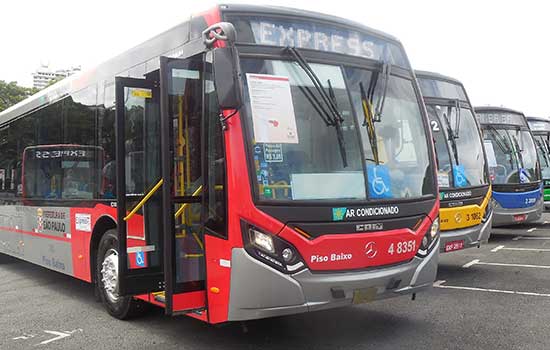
column 226, row 77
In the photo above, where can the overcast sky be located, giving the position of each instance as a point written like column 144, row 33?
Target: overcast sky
column 500, row 50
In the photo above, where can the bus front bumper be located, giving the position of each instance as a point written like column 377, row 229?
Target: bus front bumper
column 259, row 291
column 471, row 236
column 503, row 217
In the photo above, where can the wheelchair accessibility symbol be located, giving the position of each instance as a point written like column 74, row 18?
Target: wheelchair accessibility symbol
column 140, row 259
column 460, row 176
column 379, row 181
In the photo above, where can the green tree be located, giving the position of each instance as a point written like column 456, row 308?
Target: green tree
column 11, row 93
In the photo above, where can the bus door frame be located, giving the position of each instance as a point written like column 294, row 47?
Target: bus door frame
column 146, row 279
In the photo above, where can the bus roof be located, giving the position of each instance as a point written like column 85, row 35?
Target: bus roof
column 488, row 109
column 538, row 119
column 436, row 76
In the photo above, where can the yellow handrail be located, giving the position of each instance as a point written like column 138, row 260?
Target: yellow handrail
column 144, row 200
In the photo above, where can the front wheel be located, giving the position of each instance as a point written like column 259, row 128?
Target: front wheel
column 121, row 307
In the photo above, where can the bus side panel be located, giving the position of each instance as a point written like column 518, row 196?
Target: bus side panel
column 40, row 235
column 83, row 221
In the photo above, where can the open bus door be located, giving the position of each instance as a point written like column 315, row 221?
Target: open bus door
column 159, row 195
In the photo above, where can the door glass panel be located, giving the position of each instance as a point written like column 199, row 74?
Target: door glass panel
column 142, row 165
column 185, row 84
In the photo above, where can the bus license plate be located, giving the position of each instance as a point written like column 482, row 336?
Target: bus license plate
column 454, row 245
column 520, row 218
column 361, row 296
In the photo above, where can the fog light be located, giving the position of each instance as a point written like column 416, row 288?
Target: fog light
column 288, row 255
column 425, row 242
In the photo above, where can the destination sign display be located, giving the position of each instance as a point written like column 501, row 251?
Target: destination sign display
column 321, row 37
column 501, row 118
column 539, row 125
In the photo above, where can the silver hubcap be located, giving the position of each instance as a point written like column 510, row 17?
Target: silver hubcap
column 109, row 274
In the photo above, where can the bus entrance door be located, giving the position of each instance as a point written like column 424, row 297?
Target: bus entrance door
column 182, row 85
column 139, row 200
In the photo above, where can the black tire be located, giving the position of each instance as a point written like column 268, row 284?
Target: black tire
column 123, row 307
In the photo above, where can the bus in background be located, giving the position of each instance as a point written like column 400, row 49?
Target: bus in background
column 465, row 212
column 513, row 165
column 261, row 161
column 540, row 127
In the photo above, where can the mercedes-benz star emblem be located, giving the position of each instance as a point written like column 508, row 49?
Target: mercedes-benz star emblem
column 370, row 250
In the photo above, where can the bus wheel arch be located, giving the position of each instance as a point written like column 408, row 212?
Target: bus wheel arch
column 102, row 225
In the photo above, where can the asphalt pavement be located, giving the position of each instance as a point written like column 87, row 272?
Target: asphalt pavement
column 494, row 297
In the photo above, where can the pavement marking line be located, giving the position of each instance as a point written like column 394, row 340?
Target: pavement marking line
column 532, row 229
column 524, row 249
column 477, row 262
column 59, row 335
column 471, row 263
column 534, row 238
column 439, row 284
column 496, row 249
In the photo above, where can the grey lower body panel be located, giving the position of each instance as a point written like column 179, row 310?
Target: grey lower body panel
column 504, row 217
column 472, row 236
column 259, row 291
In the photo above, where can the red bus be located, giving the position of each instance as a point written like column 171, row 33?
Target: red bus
column 248, row 163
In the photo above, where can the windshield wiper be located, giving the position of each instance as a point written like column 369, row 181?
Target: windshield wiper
column 452, row 136
column 501, row 143
column 331, row 117
column 369, row 122
column 518, row 151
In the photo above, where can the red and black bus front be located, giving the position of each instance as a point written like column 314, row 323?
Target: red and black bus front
column 342, row 206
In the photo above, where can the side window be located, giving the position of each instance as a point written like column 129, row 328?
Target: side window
column 215, row 201
column 106, row 140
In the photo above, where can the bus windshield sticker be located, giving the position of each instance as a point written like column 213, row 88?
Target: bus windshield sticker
column 379, row 181
column 443, row 179
column 491, row 157
column 523, row 176
column 272, row 109
column 461, row 180
column 273, row 153
column 142, row 93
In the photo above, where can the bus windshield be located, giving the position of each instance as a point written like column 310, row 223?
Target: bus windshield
column 461, row 162
column 62, row 172
column 543, row 151
column 513, row 154
column 296, row 152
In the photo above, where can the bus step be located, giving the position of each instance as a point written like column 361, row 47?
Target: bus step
column 160, row 297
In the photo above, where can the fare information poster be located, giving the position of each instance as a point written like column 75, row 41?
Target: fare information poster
column 272, row 109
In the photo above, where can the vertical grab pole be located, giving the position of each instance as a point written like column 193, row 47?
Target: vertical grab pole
column 167, row 206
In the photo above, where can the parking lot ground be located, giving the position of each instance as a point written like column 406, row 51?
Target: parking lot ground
column 494, row 297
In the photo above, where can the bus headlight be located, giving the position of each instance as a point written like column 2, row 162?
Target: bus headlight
column 429, row 240
column 271, row 250
column 262, row 240
column 434, row 230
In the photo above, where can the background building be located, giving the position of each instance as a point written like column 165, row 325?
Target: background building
column 44, row 75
